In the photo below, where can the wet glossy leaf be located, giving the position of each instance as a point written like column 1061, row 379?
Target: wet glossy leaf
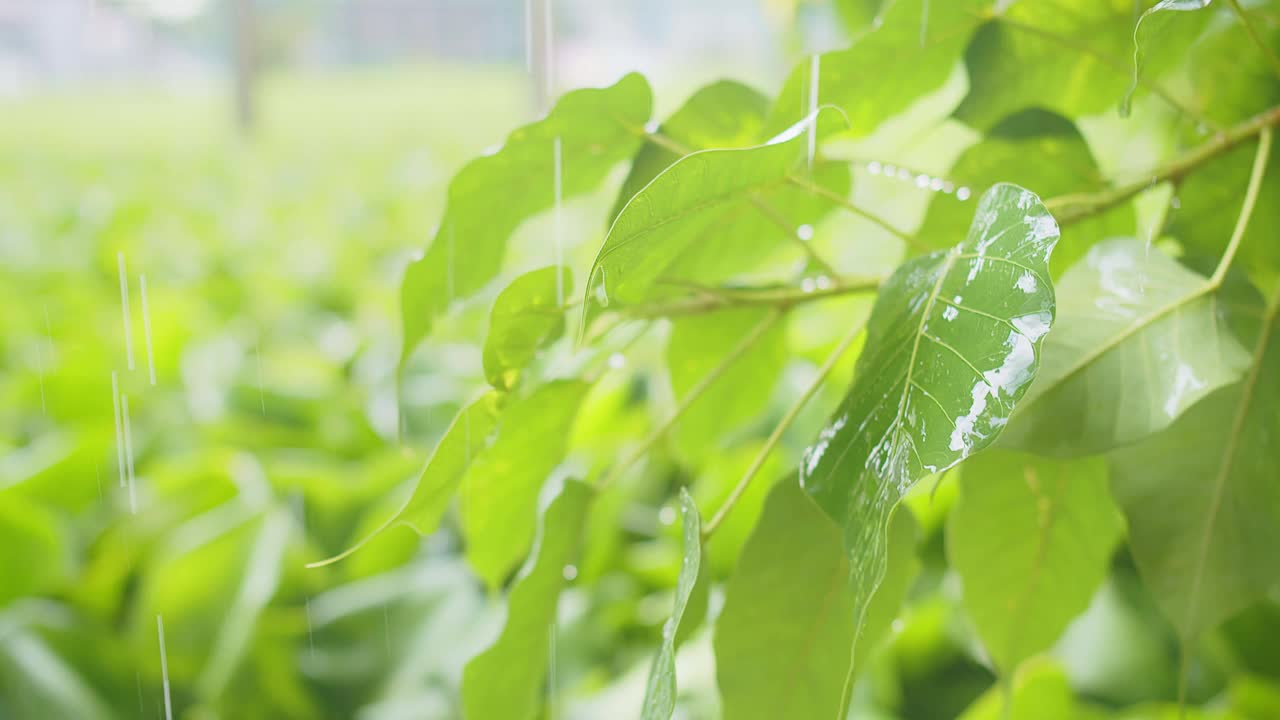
column 697, row 346
column 1154, row 27
column 710, row 217
column 494, row 194
column 1136, row 342
column 925, row 40
column 1031, row 540
column 660, row 691
column 1202, row 499
column 724, row 114
column 468, row 435
column 506, row 680
column 952, row 345
column 1040, row 692
column 527, row 315
column 501, row 486
column 1044, row 153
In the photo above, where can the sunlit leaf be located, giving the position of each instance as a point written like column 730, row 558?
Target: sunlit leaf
column 952, row 345
column 1136, row 342
column 660, row 691
column 1040, row 691
column 506, row 680
column 1031, row 540
column 1156, row 22
column 1202, row 501
column 501, row 486
column 494, row 194
column 528, row 314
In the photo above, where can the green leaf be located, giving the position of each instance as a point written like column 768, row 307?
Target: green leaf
column 925, row 40
column 660, row 690
column 506, row 680
column 710, row 217
column 1231, row 78
column 468, row 435
column 27, row 526
column 784, row 637
column 1031, row 540
column 1138, row 340
column 527, row 315
column 1040, row 692
column 1157, row 21
column 1039, row 151
column 901, row 569
column 952, row 345
column 490, row 197
column 1202, row 499
column 500, row 490
column 1069, row 57
column 724, row 114
column 697, row 346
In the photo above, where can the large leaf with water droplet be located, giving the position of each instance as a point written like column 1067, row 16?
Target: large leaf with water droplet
column 1044, row 153
column 501, row 486
column 506, row 680
column 724, row 114
column 952, row 345
column 660, row 690
column 527, row 315
column 468, row 434
column 1202, row 499
column 698, row 345
column 1073, row 58
column 712, row 216
column 925, row 40
column 492, row 195
column 785, row 637
column 1031, row 540
column 1138, row 340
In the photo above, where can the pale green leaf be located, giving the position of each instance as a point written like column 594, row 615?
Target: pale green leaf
column 527, row 315
column 501, row 486
column 492, row 195
column 1202, row 499
column 507, row 679
column 1138, row 339
column 1040, row 692
column 26, row 525
column 660, row 690
column 1157, row 22
column 697, row 346
column 1031, row 540
column 952, row 345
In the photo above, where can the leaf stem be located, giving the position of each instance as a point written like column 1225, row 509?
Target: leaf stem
column 713, row 299
column 1073, row 208
column 1257, row 39
column 845, row 203
column 776, row 435
column 1246, row 210
column 694, row 393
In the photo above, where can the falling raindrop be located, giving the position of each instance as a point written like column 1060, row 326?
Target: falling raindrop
column 617, row 361
column 311, row 641
column 115, row 403
column 448, row 264
column 40, row 374
column 146, row 327
column 962, row 193
column 559, row 224
column 805, row 232
column 164, row 669
column 1175, row 202
column 815, row 63
column 528, row 35
column 570, row 572
column 386, row 629
column 124, row 306
column 128, row 452
column 552, row 684
column 262, row 399
column 667, row 515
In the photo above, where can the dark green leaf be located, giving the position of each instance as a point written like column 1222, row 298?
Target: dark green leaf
column 527, row 315
column 1202, row 499
column 1031, row 540
column 506, row 680
column 1138, row 339
column 492, row 195
column 952, row 345
column 500, row 490
column 660, row 691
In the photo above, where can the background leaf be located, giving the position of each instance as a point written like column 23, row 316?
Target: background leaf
column 527, row 315
column 660, row 691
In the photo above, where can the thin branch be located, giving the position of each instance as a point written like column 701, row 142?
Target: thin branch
column 713, row 299
column 1257, row 39
column 791, row 232
column 1073, row 208
column 776, row 435
column 1246, row 210
column 694, row 393
column 845, row 203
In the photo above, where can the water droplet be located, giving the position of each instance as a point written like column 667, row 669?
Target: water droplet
column 805, row 232
column 948, row 187
column 1175, row 202
column 652, row 126
column 873, row 167
column 922, row 181
column 617, row 361
column 570, row 572
column 935, row 184
column 890, row 170
column 667, row 515
column 950, row 313
column 823, row 282
column 808, row 285
column 962, row 194
column 904, row 174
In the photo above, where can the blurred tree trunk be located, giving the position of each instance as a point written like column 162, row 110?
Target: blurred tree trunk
column 245, row 64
